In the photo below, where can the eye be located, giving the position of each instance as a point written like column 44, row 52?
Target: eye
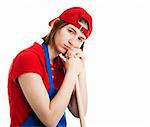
column 70, row 31
column 80, row 39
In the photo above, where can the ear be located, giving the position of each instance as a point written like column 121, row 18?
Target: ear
column 51, row 23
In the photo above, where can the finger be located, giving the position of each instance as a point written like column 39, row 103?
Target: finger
column 68, row 53
column 71, row 53
column 81, row 56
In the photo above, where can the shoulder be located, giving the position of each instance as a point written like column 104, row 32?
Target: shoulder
column 34, row 52
column 28, row 60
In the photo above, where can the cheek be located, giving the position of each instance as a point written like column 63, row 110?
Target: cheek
column 59, row 39
column 63, row 36
column 78, row 44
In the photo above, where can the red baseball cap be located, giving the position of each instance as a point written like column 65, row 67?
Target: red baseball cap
column 73, row 15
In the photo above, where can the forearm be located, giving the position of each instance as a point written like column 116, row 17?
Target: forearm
column 73, row 107
column 83, row 90
column 59, row 103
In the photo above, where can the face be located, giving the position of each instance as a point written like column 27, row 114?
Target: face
column 69, row 37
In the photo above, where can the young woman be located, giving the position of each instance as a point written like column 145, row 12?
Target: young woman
column 41, row 82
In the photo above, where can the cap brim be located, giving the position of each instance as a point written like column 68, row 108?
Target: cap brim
column 50, row 23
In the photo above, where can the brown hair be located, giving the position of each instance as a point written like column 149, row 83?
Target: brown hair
column 58, row 24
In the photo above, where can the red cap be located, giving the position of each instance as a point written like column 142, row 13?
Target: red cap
column 73, row 15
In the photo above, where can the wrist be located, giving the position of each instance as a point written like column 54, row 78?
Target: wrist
column 83, row 71
column 71, row 72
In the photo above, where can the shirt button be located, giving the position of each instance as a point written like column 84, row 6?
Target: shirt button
column 52, row 76
column 52, row 68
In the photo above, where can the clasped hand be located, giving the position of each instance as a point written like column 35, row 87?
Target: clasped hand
column 74, row 60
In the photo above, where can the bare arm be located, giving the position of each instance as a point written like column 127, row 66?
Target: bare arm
column 48, row 111
column 73, row 101
column 77, row 53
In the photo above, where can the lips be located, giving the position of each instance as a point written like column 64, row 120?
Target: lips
column 66, row 47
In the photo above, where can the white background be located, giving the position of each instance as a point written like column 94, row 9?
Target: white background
column 117, row 55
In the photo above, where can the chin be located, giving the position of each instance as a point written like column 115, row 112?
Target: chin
column 62, row 50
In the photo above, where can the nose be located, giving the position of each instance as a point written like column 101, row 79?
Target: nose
column 71, row 42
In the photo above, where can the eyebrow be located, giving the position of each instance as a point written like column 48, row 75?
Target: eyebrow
column 76, row 32
column 73, row 29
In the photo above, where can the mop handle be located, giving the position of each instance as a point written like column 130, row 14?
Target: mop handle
column 80, row 105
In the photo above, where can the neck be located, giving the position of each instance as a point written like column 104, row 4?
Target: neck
column 53, row 53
